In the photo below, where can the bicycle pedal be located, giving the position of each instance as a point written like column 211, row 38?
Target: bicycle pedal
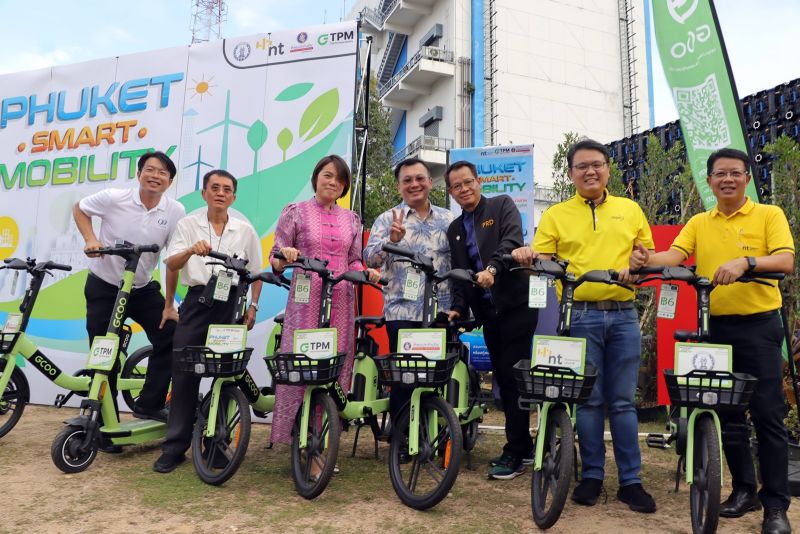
column 657, row 441
column 61, row 399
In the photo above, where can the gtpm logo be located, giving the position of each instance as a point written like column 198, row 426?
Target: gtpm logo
column 335, row 38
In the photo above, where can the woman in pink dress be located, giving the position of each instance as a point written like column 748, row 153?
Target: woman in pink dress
column 318, row 228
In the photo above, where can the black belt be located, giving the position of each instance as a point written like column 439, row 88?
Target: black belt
column 734, row 318
column 603, row 305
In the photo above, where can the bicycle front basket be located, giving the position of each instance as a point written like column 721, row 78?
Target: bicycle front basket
column 709, row 389
column 297, row 369
column 553, row 384
column 415, row 370
column 202, row 361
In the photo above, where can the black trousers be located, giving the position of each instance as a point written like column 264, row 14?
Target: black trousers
column 399, row 395
column 509, row 338
column 192, row 330
column 145, row 307
column 756, row 341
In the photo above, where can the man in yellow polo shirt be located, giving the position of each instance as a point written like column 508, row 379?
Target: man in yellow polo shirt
column 595, row 230
column 735, row 237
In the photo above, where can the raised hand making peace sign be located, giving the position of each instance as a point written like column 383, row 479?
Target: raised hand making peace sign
column 397, row 230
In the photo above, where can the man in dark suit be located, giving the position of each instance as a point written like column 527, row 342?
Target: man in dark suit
column 487, row 229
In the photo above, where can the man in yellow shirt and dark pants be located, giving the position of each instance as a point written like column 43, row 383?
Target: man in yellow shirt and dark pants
column 738, row 236
column 595, row 230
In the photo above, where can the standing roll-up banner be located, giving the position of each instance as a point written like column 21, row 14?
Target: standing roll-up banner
column 266, row 107
column 698, row 72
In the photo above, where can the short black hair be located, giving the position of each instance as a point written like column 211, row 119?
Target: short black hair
column 219, row 172
column 458, row 165
column 407, row 163
column 728, row 153
column 587, row 144
column 342, row 172
column 163, row 158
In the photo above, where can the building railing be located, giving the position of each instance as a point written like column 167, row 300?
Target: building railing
column 433, row 53
column 423, row 142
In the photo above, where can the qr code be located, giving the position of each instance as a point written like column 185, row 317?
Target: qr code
column 702, row 116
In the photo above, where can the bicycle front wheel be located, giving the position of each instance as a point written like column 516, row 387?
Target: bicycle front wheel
column 312, row 466
column 550, row 484
column 216, row 459
column 704, row 493
column 13, row 399
column 423, row 480
column 135, row 367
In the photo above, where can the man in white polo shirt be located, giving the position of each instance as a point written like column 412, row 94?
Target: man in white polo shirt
column 141, row 216
column 196, row 236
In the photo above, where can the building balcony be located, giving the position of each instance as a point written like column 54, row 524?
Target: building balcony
column 417, row 77
column 431, row 150
column 401, row 15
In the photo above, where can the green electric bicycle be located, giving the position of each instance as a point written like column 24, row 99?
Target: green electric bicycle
column 75, row 447
column 554, row 381
column 315, row 363
column 222, row 428
column 697, row 395
column 428, row 437
column 14, row 341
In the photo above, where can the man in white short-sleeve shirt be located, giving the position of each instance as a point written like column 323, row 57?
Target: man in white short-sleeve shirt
column 142, row 216
column 197, row 235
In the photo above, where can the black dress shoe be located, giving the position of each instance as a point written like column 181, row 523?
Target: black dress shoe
column 775, row 522
column 148, row 413
column 739, row 503
column 167, row 462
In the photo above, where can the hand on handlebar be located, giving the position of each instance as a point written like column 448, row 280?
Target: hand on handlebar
column 524, row 256
column 201, row 248
column 453, row 315
column 92, row 244
column 625, row 277
column 485, row 279
column 729, row 272
column 373, row 276
column 290, row 254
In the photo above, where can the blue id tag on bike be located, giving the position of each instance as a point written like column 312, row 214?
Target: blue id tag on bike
column 103, row 353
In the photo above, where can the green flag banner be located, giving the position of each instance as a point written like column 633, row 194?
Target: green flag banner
column 697, row 69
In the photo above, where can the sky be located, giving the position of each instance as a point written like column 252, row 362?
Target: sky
column 760, row 35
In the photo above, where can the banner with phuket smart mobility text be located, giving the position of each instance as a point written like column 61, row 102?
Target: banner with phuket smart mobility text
column 696, row 65
column 503, row 170
column 266, row 107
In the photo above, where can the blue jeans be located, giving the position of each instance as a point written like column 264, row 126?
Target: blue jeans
column 613, row 347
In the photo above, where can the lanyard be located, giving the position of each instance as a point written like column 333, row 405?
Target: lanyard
column 211, row 242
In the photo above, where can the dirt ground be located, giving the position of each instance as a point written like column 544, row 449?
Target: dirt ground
column 120, row 493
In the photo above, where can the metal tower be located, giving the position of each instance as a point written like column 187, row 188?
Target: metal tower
column 207, row 19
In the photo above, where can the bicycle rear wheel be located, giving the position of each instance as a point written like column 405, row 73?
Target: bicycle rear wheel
column 13, row 399
column 312, row 466
column 550, row 484
column 423, row 480
column 704, row 493
column 216, row 459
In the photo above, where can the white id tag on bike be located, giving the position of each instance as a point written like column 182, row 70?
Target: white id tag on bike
column 667, row 301
column 412, row 285
column 14, row 282
column 537, row 292
column 222, row 289
column 302, row 288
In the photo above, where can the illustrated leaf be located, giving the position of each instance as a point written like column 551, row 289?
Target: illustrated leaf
column 319, row 114
column 285, row 139
column 293, row 92
column 257, row 135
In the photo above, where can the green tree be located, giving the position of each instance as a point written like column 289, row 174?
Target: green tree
column 786, row 194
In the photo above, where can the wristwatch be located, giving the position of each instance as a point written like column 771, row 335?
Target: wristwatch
column 492, row 270
column 751, row 263
column 254, row 305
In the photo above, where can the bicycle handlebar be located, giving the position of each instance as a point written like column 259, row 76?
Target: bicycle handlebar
column 425, row 263
column 31, row 266
column 125, row 249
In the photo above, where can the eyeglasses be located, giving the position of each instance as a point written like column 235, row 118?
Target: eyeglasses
column 596, row 165
column 719, row 175
column 161, row 173
column 465, row 184
column 408, row 180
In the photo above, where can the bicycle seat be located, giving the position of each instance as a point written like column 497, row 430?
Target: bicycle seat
column 377, row 320
column 279, row 318
column 684, row 335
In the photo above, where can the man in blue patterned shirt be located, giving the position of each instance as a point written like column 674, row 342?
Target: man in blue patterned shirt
column 418, row 225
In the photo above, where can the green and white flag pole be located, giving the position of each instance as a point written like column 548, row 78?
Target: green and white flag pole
column 699, row 75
